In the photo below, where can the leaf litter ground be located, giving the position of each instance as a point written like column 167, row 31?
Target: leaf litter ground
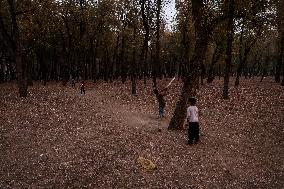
column 57, row 138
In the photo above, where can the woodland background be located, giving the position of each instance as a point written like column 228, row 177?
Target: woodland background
column 112, row 39
column 227, row 53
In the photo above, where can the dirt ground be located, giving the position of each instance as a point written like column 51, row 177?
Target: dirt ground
column 58, row 138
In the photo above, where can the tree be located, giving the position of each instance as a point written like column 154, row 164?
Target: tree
column 280, row 29
column 14, row 43
column 230, row 38
column 252, row 25
column 220, row 45
column 191, row 81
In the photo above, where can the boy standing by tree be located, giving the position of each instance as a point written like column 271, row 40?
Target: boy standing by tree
column 162, row 103
column 192, row 120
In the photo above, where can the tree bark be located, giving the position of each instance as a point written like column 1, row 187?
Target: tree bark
column 216, row 56
column 133, row 66
column 280, row 28
column 157, row 54
column 230, row 38
column 240, row 66
column 144, row 53
column 281, row 58
column 191, row 80
column 17, row 54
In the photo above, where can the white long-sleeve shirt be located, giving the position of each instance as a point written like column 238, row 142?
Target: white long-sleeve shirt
column 192, row 114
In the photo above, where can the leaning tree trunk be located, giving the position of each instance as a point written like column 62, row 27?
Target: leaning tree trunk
column 191, row 81
column 228, row 60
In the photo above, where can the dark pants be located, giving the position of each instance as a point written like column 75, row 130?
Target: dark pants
column 193, row 132
column 82, row 90
column 162, row 111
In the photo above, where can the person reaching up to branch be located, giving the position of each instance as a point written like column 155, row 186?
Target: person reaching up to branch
column 160, row 97
column 162, row 103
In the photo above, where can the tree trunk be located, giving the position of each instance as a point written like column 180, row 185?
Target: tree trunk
column 230, row 38
column 29, row 72
column 21, row 74
column 216, row 56
column 282, row 56
column 157, row 54
column 243, row 59
column 279, row 64
column 263, row 75
column 144, row 52
column 17, row 48
column 133, row 66
column 240, row 66
column 122, row 61
column 191, row 80
column 280, row 28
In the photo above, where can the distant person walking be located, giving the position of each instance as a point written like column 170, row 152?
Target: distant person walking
column 162, row 103
column 192, row 121
column 73, row 82
column 83, row 87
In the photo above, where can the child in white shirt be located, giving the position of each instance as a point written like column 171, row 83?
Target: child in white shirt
column 192, row 120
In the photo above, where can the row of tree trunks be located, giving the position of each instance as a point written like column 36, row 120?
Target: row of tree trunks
column 244, row 51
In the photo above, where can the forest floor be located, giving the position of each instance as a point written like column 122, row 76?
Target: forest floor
column 58, row 138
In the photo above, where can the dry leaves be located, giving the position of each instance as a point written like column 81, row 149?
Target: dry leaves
column 58, row 138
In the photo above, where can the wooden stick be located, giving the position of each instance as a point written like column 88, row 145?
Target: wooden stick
column 170, row 82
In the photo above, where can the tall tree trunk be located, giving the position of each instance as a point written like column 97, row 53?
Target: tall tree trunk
column 133, row 66
column 17, row 52
column 94, row 50
column 230, row 38
column 21, row 73
column 264, row 72
column 281, row 58
column 216, row 56
column 29, row 71
column 280, row 28
column 253, row 67
column 157, row 54
column 240, row 66
column 122, row 61
column 144, row 52
column 191, row 80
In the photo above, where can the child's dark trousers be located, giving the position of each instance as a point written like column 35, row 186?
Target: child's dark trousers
column 193, row 132
column 82, row 90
